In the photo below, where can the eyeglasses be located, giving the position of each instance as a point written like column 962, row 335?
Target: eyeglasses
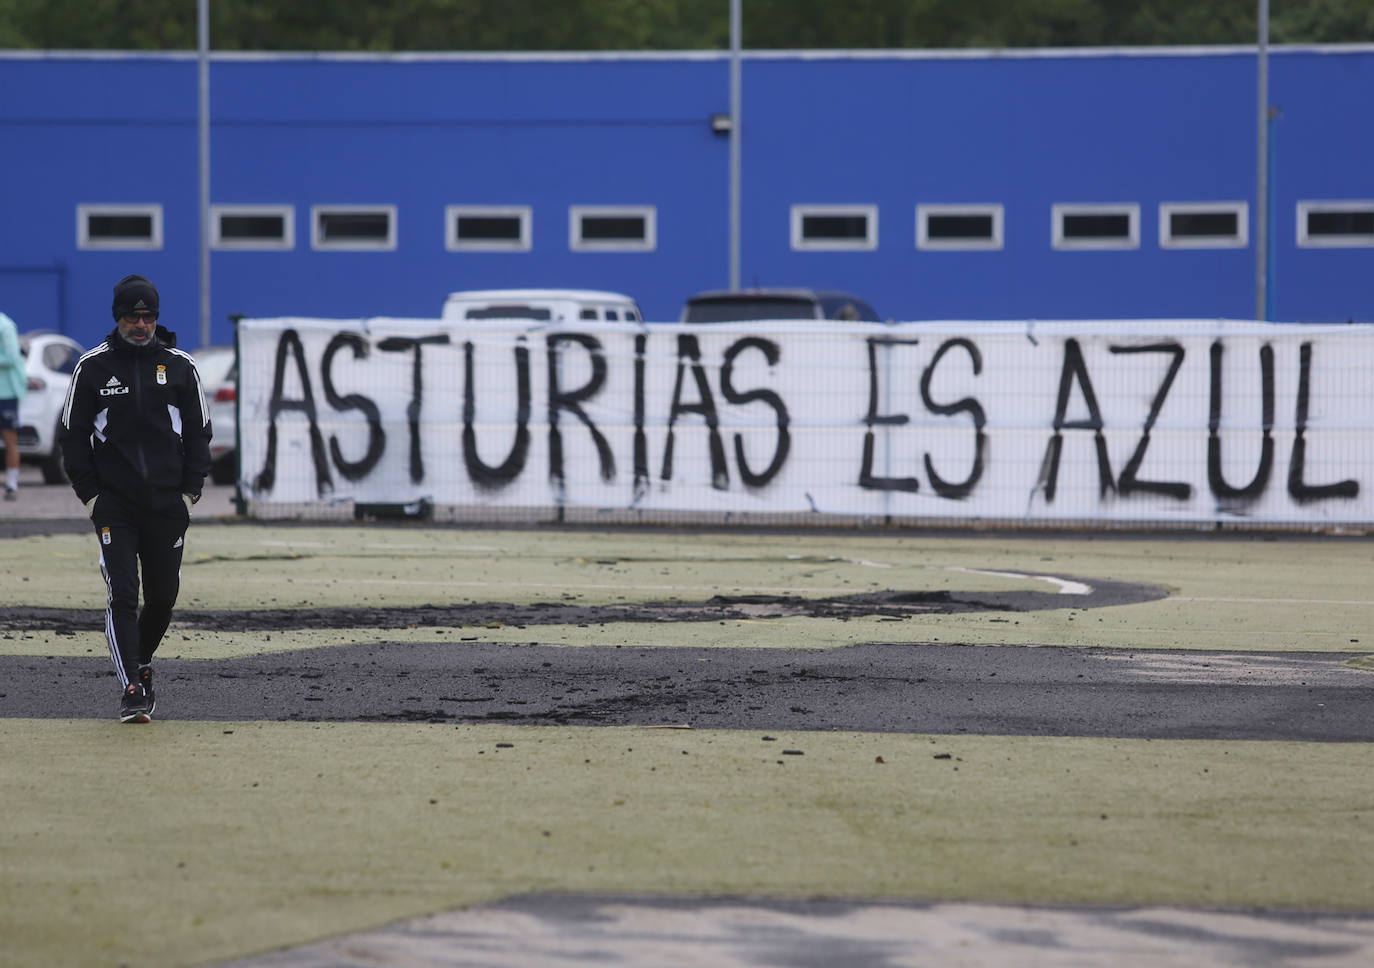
column 142, row 316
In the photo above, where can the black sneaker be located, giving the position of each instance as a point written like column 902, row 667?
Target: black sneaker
column 145, row 679
column 135, row 706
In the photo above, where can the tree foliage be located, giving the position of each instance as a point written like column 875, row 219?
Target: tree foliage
column 542, row 25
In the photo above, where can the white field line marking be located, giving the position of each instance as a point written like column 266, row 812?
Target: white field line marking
column 834, row 559
column 1277, row 601
column 808, row 559
column 1066, row 587
column 1238, row 669
column 384, row 547
column 749, row 589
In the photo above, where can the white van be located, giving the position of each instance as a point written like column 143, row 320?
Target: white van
column 552, row 305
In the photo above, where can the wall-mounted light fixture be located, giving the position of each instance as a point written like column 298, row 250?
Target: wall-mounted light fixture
column 721, row 123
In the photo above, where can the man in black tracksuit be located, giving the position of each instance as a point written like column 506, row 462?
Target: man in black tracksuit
column 135, row 435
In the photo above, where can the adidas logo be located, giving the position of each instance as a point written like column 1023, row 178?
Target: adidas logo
column 113, row 388
column 140, row 305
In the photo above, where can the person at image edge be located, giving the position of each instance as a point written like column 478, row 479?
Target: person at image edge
column 135, row 435
column 14, row 382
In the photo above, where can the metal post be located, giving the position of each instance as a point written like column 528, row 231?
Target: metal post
column 203, row 51
column 736, row 29
column 1262, row 163
column 1271, row 268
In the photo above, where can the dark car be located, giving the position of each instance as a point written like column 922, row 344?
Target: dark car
column 730, row 306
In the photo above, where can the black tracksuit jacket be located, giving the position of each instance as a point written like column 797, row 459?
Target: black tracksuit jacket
column 135, row 423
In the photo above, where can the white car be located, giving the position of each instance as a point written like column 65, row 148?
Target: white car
column 553, row 305
column 49, row 361
column 218, row 369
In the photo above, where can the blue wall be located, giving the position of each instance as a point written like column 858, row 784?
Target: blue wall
column 1024, row 129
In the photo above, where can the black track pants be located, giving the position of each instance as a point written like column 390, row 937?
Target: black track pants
column 129, row 537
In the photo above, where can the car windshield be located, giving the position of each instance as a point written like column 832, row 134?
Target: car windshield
column 508, row 312
column 841, row 306
column 735, row 309
column 60, row 358
column 213, row 364
column 55, row 353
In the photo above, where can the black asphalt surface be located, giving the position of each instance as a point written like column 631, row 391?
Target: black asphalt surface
column 947, row 689
column 916, row 687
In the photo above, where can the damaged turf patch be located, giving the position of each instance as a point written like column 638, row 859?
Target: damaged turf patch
column 893, row 603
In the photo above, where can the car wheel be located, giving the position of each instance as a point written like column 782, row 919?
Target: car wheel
column 53, row 471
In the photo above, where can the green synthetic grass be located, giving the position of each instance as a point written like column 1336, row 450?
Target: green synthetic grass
column 180, row 843
column 1229, row 593
column 227, row 839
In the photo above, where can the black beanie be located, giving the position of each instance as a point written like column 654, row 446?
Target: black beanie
column 133, row 293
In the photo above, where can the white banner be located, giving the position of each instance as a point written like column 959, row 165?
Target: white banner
column 1154, row 420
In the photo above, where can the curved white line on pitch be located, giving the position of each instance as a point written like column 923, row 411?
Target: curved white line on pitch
column 1066, row 587
column 1278, row 601
column 862, row 562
